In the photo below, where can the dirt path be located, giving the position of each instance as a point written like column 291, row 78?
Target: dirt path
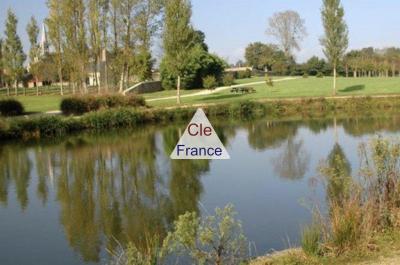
column 219, row 89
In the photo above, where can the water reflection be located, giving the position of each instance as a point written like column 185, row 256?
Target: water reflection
column 124, row 187
column 292, row 162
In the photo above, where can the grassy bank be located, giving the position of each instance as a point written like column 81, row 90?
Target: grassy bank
column 384, row 251
column 57, row 126
column 362, row 222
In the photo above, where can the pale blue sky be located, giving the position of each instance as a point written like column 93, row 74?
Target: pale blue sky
column 230, row 25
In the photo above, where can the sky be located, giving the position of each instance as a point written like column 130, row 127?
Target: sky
column 230, row 25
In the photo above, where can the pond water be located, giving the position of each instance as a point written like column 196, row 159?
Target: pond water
column 67, row 202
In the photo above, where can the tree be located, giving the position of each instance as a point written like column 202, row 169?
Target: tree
column 335, row 41
column 260, row 55
column 178, row 38
column 288, row 28
column 104, row 38
column 125, row 54
column 13, row 54
column 33, row 32
column 75, row 48
column 54, row 24
column 95, row 29
column 198, row 64
column 147, row 24
column 315, row 65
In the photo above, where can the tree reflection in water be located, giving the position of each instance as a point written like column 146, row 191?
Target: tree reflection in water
column 126, row 187
column 109, row 188
column 292, row 160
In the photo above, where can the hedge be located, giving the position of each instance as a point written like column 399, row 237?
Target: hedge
column 11, row 107
column 78, row 105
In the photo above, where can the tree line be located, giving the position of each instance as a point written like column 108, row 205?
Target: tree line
column 112, row 37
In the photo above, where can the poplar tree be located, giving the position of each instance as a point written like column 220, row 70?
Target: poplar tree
column 147, row 25
column 76, row 48
column 32, row 29
column 95, row 32
column 335, row 41
column 13, row 54
column 177, row 38
column 125, row 28
column 114, row 39
column 104, row 23
column 54, row 24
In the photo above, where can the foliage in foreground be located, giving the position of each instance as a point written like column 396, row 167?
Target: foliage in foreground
column 358, row 209
column 213, row 240
column 362, row 222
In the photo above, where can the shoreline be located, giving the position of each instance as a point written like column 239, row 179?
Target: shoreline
column 47, row 126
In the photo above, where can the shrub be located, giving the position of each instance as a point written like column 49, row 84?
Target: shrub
column 320, row 75
column 346, row 223
column 310, row 239
column 11, row 107
column 244, row 74
column 269, row 81
column 247, row 109
column 74, row 105
column 215, row 239
column 305, row 75
column 210, row 82
column 80, row 105
column 228, row 79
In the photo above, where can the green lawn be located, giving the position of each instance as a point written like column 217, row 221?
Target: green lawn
column 40, row 103
column 303, row 87
column 171, row 93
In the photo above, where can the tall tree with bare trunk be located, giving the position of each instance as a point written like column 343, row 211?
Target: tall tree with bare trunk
column 178, row 38
column 335, row 40
column 54, row 24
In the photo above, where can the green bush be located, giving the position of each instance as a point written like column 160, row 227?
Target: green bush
column 244, row 74
column 305, row 75
column 11, row 107
column 79, row 105
column 320, row 75
column 197, row 238
column 228, row 79
column 74, row 105
column 210, row 82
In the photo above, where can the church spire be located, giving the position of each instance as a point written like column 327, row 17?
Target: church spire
column 44, row 44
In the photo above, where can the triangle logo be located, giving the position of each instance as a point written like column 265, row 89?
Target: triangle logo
column 199, row 141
